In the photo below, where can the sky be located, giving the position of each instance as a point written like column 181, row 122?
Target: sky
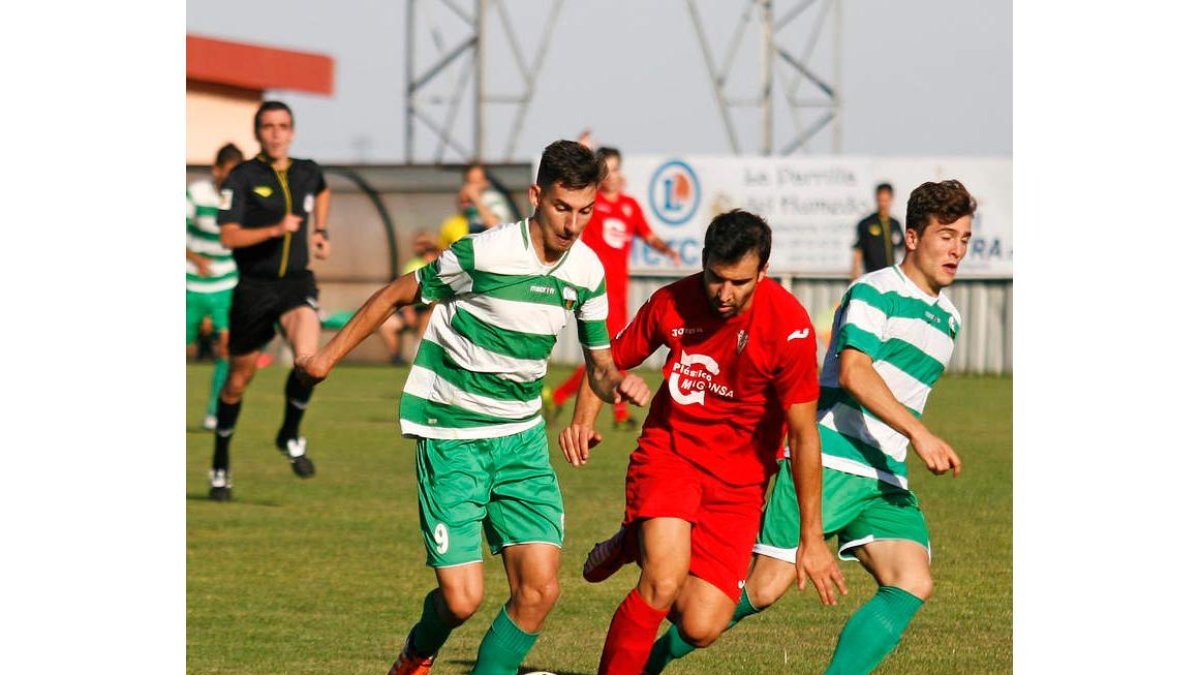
column 921, row 77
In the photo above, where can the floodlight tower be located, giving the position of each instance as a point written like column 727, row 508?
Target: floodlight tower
column 433, row 95
column 812, row 99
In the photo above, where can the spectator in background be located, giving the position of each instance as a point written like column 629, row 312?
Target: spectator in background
column 211, row 272
column 879, row 236
column 480, row 203
column 411, row 317
column 616, row 220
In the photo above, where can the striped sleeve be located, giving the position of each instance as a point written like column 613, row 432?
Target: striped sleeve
column 861, row 320
column 592, row 315
column 191, row 209
column 450, row 274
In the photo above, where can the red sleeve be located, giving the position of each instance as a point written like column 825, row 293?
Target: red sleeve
column 796, row 381
column 641, row 337
column 640, row 227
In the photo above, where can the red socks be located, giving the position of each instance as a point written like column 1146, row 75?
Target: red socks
column 569, row 388
column 630, row 636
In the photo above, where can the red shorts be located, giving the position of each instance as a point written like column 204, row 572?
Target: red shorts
column 724, row 518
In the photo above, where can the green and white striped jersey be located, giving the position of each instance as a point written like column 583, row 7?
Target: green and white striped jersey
column 909, row 336
column 204, row 238
column 479, row 369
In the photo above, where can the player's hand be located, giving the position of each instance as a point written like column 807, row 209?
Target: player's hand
column 576, row 442
column 321, row 247
column 290, row 223
column 633, row 389
column 310, row 370
column 202, row 267
column 937, row 454
column 815, row 562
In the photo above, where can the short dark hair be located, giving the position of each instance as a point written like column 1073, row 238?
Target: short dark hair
column 229, row 153
column 733, row 234
column 569, row 164
column 268, row 106
column 883, row 187
column 604, row 152
column 946, row 201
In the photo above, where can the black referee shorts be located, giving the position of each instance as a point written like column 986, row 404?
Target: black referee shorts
column 258, row 304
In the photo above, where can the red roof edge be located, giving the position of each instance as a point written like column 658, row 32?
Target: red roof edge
column 255, row 67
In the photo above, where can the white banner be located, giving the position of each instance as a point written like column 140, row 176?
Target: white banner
column 812, row 204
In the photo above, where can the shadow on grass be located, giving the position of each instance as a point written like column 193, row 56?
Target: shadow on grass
column 203, row 497
column 524, row 669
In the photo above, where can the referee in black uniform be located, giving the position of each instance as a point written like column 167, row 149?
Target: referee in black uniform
column 266, row 204
column 880, row 237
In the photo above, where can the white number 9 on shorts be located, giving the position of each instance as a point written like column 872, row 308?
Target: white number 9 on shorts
column 442, row 537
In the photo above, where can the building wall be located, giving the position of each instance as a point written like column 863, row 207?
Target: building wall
column 217, row 115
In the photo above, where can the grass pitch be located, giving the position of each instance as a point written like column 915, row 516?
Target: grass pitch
column 326, row 575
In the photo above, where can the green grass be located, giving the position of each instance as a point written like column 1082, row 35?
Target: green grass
column 326, row 575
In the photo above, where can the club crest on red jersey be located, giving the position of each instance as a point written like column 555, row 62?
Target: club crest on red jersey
column 743, row 338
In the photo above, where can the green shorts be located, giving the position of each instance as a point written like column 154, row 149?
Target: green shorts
column 506, row 484
column 200, row 305
column 859, row 510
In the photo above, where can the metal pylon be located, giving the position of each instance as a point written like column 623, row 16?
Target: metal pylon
column 810, row 112
column 434, row 93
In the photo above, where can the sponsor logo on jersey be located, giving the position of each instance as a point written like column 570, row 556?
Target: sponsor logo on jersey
column 692, row 377
column 263, row 191
column 674, row 192
column 614, row 232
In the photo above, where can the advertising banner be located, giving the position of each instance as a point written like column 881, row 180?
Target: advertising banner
column 812, row 204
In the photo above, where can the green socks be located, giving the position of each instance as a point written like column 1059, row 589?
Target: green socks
column 431, row 632
column 671, row 646
column 503, row 648
column 873, row 631
column 218, row 380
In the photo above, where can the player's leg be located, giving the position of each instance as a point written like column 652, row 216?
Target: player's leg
column 219, row 303
column 665, row 557
column 452, row 480
column 525, row 524
column 302, row 329
column 891, row 541
column 772, row 570
column 389, row 332
column 533, row 582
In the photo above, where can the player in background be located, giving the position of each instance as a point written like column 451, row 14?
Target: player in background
column 894, row 334
column 472, row 402
column 616, row 221
column 741, row 370
column 265, row 207
column 211, row 272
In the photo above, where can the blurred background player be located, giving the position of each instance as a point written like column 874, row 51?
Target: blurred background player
column 211, row 272
column 741, row 370
column 895, row 333
column 615, row 222
column 878, row 237
column 265, row 208
column 411, row 318
column 472, row 403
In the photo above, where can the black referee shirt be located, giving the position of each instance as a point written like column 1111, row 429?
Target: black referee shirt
column 257, row 195
column 877, row 251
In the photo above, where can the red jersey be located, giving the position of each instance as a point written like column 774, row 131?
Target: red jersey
column 610, row 234
column 728, row 382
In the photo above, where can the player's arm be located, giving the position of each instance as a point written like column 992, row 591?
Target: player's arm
column 199, row 261
column 605, row 383
column 813, row 559
column 320, row 221
column 655, row 242
column 860, row 379
column 856, row 263
column 382, row 304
